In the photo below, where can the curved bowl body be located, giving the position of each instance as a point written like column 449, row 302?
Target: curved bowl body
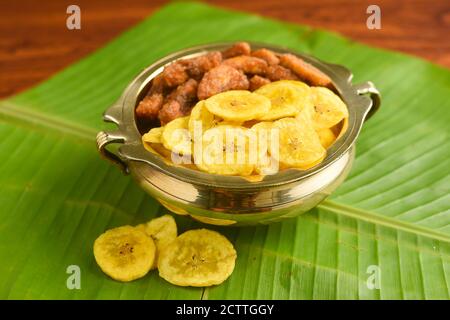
column 225, row 200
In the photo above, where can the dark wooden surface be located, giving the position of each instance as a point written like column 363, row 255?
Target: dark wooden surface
column 35, row 42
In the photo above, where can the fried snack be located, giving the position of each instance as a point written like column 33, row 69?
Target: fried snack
column 219, row 79
column 326, row 137
column 149, row 107
column 277, row 72
column 287, row 98
column 153, row 136
column 171, row 111
column 197, row 258
column 225, row 150
column 238, row 49
column 158, row 149
column 257, row 82
column 343, row 128
column 247, row 64
column 238, row 105
column 179, row 102
column 197, row 66
column 299, row 145
column 267, row 55
column 329, row 109
column 266, row 164
column 124, row 253
column 304, row 70
column 175, row 74
column 158, row 84
column 176, row 137
column 201, row 116
column 163, row 231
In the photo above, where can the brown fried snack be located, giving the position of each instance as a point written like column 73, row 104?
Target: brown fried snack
column 257, row 82
column 247, row 64
column 158, row 84
column 197, row 66
column 238, row 49
column 175, row 74
column 277, row 72
column 179, row 103
column 220, row 79
column 149, row 107
column 304, row 70
column 267, row 55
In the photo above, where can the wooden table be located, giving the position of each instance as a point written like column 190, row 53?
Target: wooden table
column 35, row 42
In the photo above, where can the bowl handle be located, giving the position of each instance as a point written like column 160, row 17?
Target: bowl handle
column 369, row 88
column 105, row 138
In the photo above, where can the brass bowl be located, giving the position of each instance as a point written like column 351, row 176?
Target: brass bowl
column 233, row 200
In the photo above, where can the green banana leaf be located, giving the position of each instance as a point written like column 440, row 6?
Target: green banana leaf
column 392, row 214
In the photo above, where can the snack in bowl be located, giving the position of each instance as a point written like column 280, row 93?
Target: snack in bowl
column 274, row 189
column 234, row 90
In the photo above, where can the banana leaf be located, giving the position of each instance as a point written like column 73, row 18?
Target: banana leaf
column 392, row 213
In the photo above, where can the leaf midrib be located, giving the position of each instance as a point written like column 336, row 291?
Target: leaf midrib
column 44, row 120
column 86, row 133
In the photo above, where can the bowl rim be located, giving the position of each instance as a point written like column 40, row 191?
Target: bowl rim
column 122, row 113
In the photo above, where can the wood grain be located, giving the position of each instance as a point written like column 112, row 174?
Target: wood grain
column 35, row 42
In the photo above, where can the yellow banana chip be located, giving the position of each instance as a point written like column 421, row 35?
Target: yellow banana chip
column 197, row 258
column 326, row 137
column 299, row 145
column 153, row 136
column 265, row 133
column 124, row 253
column 238, row 105
column 152, row 142
column 158, row 148
column 201, row 116
column 176, row 136
column 225, row 150
column 162, row 230
column 343, row 128
column 329, row 108
column 287, row 98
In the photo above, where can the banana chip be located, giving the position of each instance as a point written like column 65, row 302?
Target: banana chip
column 329, row 108
column 176, row 136
column 159, row 148
column 343, row 128
column 197, row 258
column 225, row 150
column 266, row 164
column 201, row 115
column 287, row 98
column 299, row 145
column 153, row 136
column 238, row 105
column 162, row 230
column 326, row 137
column 124, row 253
column 152, row 141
